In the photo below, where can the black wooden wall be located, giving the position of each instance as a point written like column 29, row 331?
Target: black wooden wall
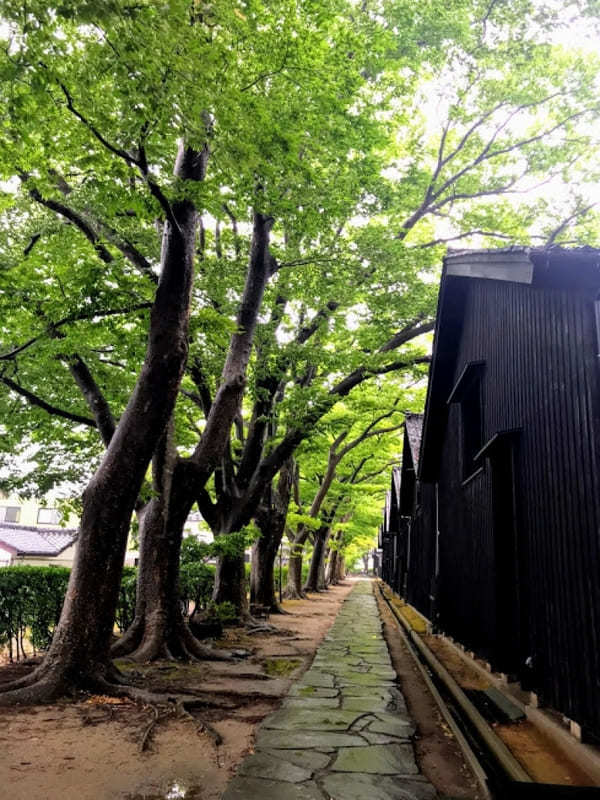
column 522, row 583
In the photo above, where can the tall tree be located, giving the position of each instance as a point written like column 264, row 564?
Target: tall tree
column 364, row 140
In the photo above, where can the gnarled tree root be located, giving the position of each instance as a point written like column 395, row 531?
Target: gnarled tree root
column 144, row 644
column 182, row 704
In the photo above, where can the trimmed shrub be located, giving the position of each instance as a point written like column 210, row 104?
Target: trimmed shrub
column 31, row 600
column 196, row 581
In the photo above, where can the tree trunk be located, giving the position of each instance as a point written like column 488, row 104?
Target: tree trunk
column 294, row 583
column 340, row 572
column 332, row 567
column 262, row 576
column 270, row 519
column 159, row 629
column 312, row 581
column 230, row 583
column 79, row 654
column 322, row 579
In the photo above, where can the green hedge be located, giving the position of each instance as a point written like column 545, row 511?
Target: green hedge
column 31, row 600
column 196, row 581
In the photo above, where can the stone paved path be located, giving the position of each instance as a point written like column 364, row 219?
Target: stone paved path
column 343, row 732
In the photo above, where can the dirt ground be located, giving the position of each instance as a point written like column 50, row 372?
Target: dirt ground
column 90, row 748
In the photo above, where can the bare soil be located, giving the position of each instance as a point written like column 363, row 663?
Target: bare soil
column 90, row 748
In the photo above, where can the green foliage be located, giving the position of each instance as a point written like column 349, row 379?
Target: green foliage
column 31, row 600
column 281, row 667
column 193, row 550
column 373, row 134
column 196, row 581
column 225, row 612
column 30, row 604
column 126, row 605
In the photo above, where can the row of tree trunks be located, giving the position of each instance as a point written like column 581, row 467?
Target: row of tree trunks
column 159, row 629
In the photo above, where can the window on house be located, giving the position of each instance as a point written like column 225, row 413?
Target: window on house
column 48, row 516
column 10, row 514
column 470, row 414
column 467, row 393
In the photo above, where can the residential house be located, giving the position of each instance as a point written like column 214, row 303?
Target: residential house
column 20, row 544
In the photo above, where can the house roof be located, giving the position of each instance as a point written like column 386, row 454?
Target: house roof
column 571, row 269
column 36, row 541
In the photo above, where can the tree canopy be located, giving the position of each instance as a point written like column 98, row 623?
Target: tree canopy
column 330, row 150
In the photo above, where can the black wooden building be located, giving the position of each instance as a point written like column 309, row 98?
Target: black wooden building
column 497, row 536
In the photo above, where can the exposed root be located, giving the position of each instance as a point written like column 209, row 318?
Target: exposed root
column 201, row 651
column 130, row 640
column 143, row 646
column 264, row 627
column 181, row 703
column 149, row 728
column 202, row 725
column 278, row 609
column 41, row 687
column 294, row 594
column 208, row 700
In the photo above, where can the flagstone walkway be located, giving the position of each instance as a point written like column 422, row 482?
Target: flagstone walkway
column 343, row 732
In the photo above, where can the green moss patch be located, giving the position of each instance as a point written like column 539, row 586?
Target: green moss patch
column 281, row 667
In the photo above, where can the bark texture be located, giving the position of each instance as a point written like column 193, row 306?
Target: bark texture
column 317, row 561
column 270, row 519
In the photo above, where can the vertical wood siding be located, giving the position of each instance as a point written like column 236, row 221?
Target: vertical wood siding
column 539, row 345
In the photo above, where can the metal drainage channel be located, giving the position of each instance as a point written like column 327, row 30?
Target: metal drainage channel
column 499, row 774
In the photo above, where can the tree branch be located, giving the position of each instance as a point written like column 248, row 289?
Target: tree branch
column 54, row 326
column 34, row 400
column 93, row 396
column 73, row 217
column 580, row 212
column 117, row 151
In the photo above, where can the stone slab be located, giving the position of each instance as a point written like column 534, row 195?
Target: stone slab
column 299, row 719
column 343, row 732
column 309, row 759
column 377, row 759
column 338, row 787
column 262, row 765
column 302, row 690
column 312, row 702
column 244, row 788
column 293, row 740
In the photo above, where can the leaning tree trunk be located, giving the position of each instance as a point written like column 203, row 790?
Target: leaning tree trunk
column 270, row 519
column 79, row 656
column 332, row 567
